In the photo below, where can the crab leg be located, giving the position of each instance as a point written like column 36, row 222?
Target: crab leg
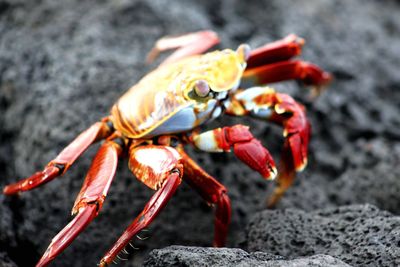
column 265, row 103
column 187, row 45
column 150, row 211
column 213, row 192
column 280, row 50
column 150, row 163
column 245, row 146
column 308, row 73
column 64, row 160
column 89, row 201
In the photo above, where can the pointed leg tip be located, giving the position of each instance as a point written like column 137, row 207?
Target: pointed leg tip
column 10, row 190
column 302, row 166
column 102, row 263
column 6, row 190
column 271, row 174
column 44, row 261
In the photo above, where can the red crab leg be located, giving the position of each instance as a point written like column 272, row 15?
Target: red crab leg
column 265, row 103
column 245, row 146
column 307, row 72
column 187, row 45
column 280, row 50
column 149, row 213
column 64, row 160
column 160, row 168
column 89, row 201
column 214, row 193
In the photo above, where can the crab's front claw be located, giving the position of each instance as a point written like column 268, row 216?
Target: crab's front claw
column 251, row 151
column 245, row 146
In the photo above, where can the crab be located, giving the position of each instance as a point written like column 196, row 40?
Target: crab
column 154, row 120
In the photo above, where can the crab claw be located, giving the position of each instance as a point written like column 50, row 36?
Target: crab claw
column 297, row 130
column 245, row 146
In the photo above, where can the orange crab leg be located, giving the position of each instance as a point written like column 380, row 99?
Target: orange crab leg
column 265, row 103
column 245, row 146
column 280, row 50
column 187, row 45
column 160, row 168
column 149, row 213
column 89, row 201
column 214, row 193
column 64, row 160
column 308, row 73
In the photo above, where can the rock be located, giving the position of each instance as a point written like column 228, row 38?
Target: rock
column 221, row 257
column 360, row 235
column 5, row 260
column 63, row 64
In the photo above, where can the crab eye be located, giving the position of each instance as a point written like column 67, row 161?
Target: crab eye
column 243, row 51
column 201, row 88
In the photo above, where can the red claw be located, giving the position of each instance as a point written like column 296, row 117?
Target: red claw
column 250, row 150
column 297, row 129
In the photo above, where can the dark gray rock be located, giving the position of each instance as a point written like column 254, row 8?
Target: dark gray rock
column 5, row 260
column 63, row 64
column 224, row 257
column 360, row 235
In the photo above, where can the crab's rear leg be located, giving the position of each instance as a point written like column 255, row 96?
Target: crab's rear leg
column 187, row 45
column 265, row 103
column 160, row 168
column 64, row 160
column 89, row 201
column 280, row 50
column 211, row 191
column 308, row 73
column 272, row 63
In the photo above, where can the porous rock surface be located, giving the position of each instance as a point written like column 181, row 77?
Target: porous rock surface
column 63, row 64
column 224, row 257
column 360, row 235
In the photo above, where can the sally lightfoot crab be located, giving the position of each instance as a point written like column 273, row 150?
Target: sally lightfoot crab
column 153, row 121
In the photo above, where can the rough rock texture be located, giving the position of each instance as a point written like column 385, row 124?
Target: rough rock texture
column 5, row 260
column 64, row 63
column 360, row 235
column 224, row 257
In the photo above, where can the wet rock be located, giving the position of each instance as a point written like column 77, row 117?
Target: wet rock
column 221, row 257
column 360, row 235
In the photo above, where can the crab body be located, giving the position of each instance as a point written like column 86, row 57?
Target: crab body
column 154, row 120
column 161, row 103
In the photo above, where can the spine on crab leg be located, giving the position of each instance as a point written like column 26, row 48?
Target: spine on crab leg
column 64, row 160
column 89, row 201
column 245, row 146
column 265, row 103
column 150, row 211
column 214, row 193
column 277, row 51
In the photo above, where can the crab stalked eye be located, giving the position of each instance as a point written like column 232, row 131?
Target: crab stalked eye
column 201, row 88
column 243, row 51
